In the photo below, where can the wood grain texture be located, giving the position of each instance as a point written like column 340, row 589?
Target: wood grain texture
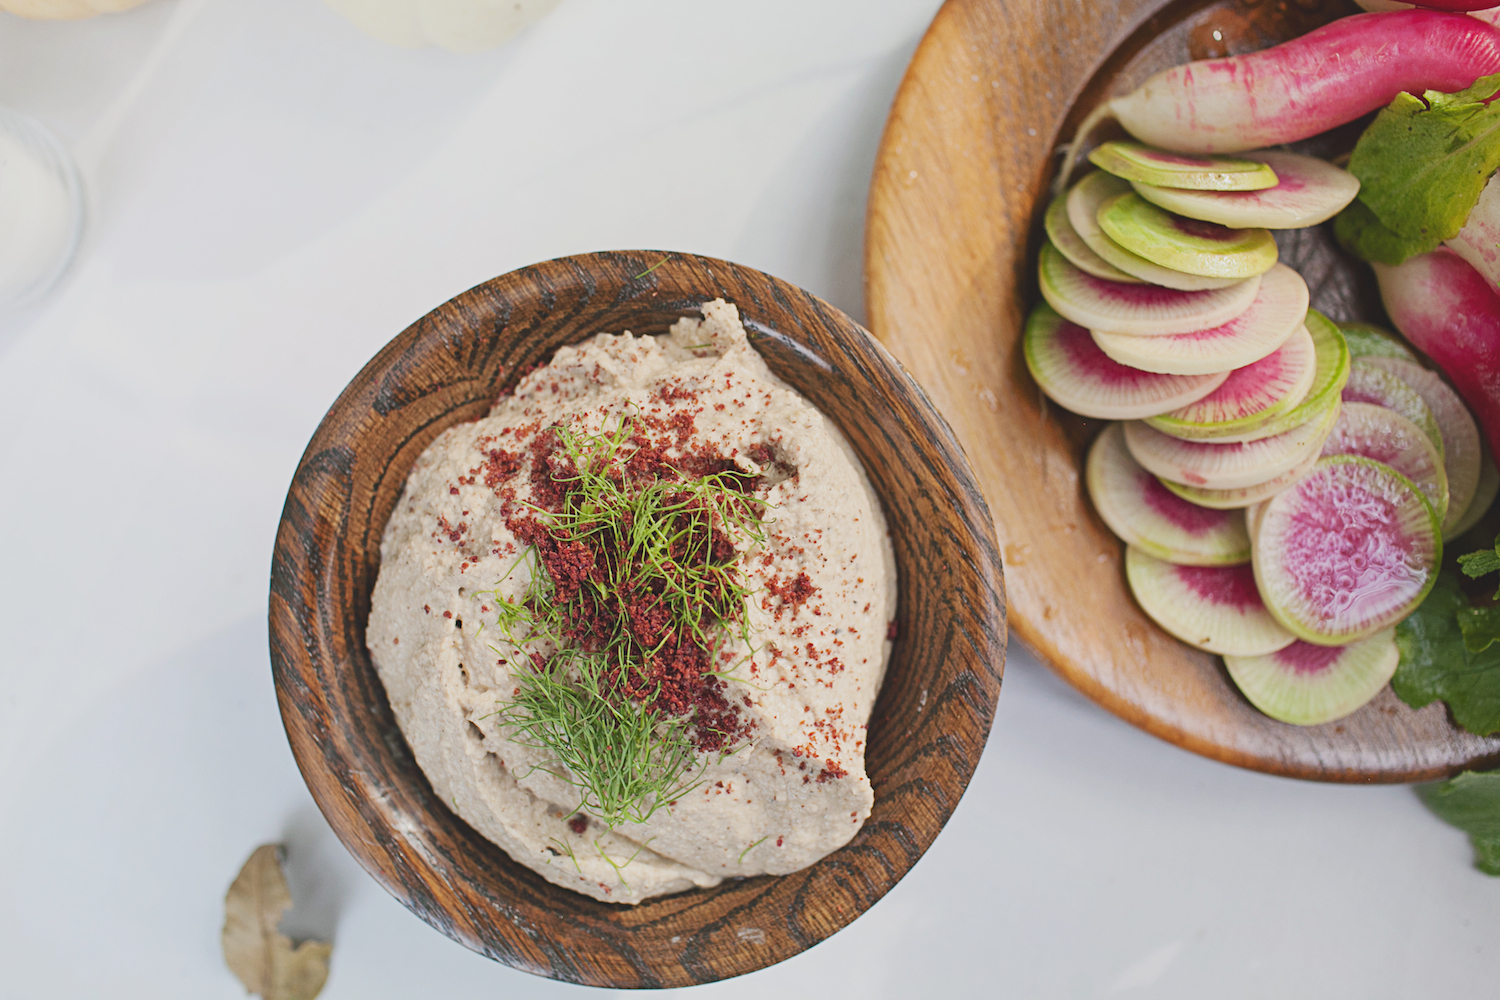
column 929, row 725
column 953, row 231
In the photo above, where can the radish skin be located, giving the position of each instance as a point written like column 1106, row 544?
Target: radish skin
column 1310, row 84
column 1478, row 242
column 1473, row 7
column 1452, row 314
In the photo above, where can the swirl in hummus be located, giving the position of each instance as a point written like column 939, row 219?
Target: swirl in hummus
column 776, row 704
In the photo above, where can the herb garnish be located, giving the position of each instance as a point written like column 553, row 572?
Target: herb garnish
column 634, row 591
column 1422, row 165
column 1471, row 802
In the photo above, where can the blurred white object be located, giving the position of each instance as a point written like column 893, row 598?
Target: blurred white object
column 65, row 10
column 41, row 208
column 460, row 25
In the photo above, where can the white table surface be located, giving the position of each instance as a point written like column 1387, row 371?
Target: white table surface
column 273, row 197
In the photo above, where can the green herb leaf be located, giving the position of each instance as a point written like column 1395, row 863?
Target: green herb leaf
column 1471, row 802
column 1421, row 165
column 1477, row 564
column 1480, row 626
column 1436, row 663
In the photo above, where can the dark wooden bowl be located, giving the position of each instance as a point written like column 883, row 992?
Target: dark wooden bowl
column 929, row 724
column 955, row 224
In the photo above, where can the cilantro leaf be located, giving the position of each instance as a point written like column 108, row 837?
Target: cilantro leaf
column 1471, row 802
column 1437, row 664
column 1421, row 165
column 1477, row 564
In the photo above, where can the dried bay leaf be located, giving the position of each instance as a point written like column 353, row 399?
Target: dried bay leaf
column 255, row 950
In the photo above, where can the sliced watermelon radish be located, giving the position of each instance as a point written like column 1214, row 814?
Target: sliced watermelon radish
column 1183, row 244
column 1144, row 310
column 1277, row 312
column 1215, row 466
column 1348, row 550
column 1136, row 161
column 1145, row 514
column 1369, row 383
column 1073, row 372
column 1247, row 496
column 1366, row 340
column 1461, row 446
column 1213, row 608
column 1305, row 684
column 1250, row 397
column 1328, row 381
column 1063, row 236
column 1253, row 514
column 1309, row 191
column 1383, row 435
column 1484, row 497
column 1083, row 212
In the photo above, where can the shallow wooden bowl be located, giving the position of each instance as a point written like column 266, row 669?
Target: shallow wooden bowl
column 929, row 724
column 954, row 227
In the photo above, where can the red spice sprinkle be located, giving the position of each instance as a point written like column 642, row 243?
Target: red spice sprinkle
column 447, row 614
column 578, row 824
column 453, row 490
column 831, row 772
column 891, row 631
column 779, row 840
column 795, row 593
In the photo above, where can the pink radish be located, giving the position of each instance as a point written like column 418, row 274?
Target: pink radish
column 1145, row 514
column 1309, row 191
column 1484, row 497
column 1350, row 549
column 1246, row 496
column 1143, row 310
column 1307, row 685
column 1297, row 89
column 1450, row 313
column 1478, row 242
column 1277, row 312
column 1471, row 7
column 1214, row 608
column 1063, row 236
column 1378, row 387
column 1250, row 397
column 1072, row 371
column 1386, row 436
column 1083, row 203
column 1214, row 466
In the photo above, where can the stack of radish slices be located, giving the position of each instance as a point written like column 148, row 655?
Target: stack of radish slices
column 1283, row 486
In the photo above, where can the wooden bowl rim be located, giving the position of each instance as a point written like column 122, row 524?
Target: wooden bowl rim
column 972, row 675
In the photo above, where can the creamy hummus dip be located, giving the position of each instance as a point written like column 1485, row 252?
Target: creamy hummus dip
column 783, row 782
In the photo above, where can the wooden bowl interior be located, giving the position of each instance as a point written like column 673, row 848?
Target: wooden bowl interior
column 962, row 181
column 929, row 725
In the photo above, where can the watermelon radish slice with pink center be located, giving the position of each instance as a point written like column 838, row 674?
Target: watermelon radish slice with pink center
column 1378, row 387
column 1063, row 236
column 1386, row 436
column 1246, row 496
column 1274, row 315
column 1461, row 446
column 1484, row 497
column 1143, row 310
column 1136, row 161
column 1306, row 685
column 1250, row 397
column 1350, row 549
column 1309, row 191
column 1215, row 466
column 1329, row 378
column 1183, row 244
column 1083, row 203
column 1145, row 514
column 1213, row 608
column 1366, row 340
column 1073, row 372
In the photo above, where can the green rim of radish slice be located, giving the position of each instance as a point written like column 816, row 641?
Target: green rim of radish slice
column 1213, row 608
column 1135, row 161
column 1461, row 445
column 1306, row 684
column 1073, row 372
column 1083, row 203
column 1145, row 514
column 1369, row 383
column 1484, row 497
column 1351, row 548
column 1183, row 244
column 1251, row 397
column 1386, row 436
column 1063, row 236
column 1328, row 382
column 1144, row 310
column 1366, row 340
column 1277, row 312
column 1309, row 191
column 1212, row 465
column 1247, row 496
